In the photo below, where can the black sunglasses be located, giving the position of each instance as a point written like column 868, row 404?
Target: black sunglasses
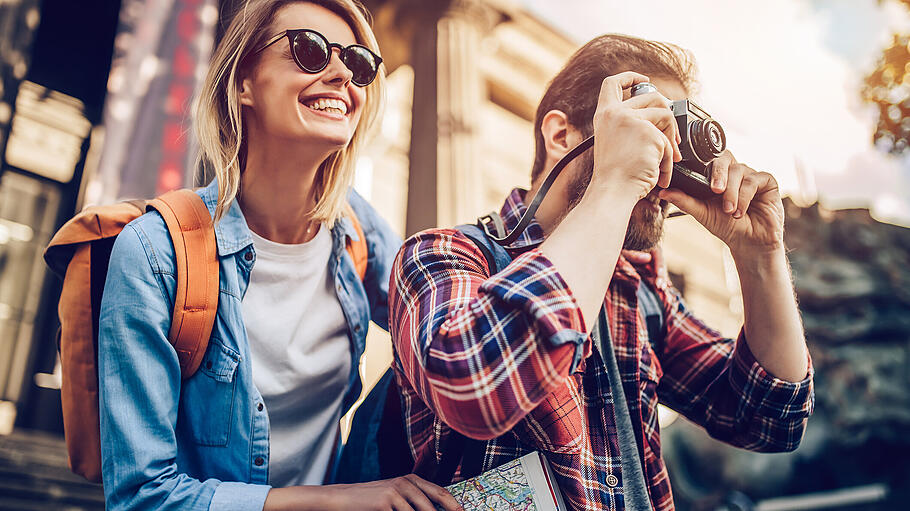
column 312, row 53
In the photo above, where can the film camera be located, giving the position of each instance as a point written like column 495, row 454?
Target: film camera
column 703, row 139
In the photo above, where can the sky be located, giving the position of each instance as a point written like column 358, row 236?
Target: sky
column 783, row 79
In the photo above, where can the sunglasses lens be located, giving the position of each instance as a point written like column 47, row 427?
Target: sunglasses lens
column 362, row 64
column 312, row 51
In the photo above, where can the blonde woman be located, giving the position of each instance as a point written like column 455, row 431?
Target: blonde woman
column 292, row 89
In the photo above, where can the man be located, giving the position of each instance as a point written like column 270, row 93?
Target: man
column 507, row 358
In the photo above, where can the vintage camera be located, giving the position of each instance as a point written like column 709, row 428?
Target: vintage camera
column 703, row 139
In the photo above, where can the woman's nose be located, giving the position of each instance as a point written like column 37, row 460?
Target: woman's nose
column 336, row 72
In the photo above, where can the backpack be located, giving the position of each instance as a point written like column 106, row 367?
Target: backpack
column 382, row 406
column 80, row 251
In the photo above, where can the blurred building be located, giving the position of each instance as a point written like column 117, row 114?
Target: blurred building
column 465, row 77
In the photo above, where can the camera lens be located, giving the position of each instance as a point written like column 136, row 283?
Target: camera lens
column 708, row 139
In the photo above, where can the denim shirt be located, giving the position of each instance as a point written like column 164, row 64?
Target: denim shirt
column 203, row 443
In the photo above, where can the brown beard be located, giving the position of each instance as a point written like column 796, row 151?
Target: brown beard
column 646, row 223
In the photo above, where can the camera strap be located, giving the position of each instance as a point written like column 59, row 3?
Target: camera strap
column 486, row 221
column 634, row 487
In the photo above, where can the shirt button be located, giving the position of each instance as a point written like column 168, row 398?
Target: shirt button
column 248, row 256
column 338, row 287
column 259, row 407
column 357, row 329
column 208, row 364
column 612, row 481
column 259, row 461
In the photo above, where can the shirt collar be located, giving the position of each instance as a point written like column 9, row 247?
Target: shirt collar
column 511, row 212
column 514, row 207
column 232, row 233
column 344, row 226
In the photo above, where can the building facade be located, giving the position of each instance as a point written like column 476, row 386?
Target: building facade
column 465, row 77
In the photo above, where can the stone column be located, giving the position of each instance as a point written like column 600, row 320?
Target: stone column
column 448, row 95
column 461, row 94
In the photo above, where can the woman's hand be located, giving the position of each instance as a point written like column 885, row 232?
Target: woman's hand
column 406, row 493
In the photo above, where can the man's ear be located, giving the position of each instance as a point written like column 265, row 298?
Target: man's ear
column 246, row 91
column 555, row 130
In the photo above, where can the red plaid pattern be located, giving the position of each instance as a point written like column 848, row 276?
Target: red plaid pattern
column 503, row 358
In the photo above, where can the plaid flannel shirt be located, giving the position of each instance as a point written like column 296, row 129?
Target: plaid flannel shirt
column 503, row 358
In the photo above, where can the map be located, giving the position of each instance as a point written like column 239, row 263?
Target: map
column 505, row 488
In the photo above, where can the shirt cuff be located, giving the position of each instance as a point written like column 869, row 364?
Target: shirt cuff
column 772, row 397
column 531, row 283
column 234, row 496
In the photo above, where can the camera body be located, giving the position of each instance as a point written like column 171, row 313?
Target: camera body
column 703, row 139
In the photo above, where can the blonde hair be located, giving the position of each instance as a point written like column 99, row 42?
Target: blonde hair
column 217, row 111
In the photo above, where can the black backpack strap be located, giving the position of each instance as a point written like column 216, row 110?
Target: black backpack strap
column 497, row 257
column 653, row 309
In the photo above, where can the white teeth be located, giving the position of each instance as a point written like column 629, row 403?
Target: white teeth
column 329, row 105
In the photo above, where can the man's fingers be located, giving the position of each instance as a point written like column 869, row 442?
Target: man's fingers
column 612, row 86
column 731, row 192
column 719, row 169
column 664, row 121
column 637, row 257
column 752, row 183
column 649, row 100
column 686, row 203
column 436, row 493
column 666, row 166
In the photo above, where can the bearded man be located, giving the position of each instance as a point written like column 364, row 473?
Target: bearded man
column 504, row 357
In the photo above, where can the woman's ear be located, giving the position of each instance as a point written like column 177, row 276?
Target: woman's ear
column 555, row 131
column 246, row 91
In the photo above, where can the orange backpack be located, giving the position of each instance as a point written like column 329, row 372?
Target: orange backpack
column 80, row 251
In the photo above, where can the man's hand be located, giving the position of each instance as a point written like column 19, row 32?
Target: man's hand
column 748, row 215
column 407, row 493
column 635, row 141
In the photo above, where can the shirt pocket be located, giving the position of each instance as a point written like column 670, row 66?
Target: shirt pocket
column 207, row 398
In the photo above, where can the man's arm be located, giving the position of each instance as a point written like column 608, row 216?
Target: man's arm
column 481, row 351
column 749, row 218
column 769, row 370
column 717, row 383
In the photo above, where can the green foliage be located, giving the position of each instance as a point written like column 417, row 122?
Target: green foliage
column 888, row 89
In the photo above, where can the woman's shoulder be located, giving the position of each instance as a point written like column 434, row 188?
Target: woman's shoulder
column 365, row 212
column 146, row 238
column 372, row 223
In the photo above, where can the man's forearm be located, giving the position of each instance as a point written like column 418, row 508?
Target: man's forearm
column 773, row 328
column 585, row 247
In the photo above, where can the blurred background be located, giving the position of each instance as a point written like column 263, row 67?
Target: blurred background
column 93, row 108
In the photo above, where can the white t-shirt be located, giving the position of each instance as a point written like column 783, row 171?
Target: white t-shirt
column 301, row 354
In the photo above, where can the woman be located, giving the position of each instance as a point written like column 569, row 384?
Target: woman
column 292, row 89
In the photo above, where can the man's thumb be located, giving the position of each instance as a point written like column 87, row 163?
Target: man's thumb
column 685, row 202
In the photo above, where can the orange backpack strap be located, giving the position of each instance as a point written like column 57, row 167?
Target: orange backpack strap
column 196, row 301
column 357, row 249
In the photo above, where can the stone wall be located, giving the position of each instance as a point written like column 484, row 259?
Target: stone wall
column 852, row 277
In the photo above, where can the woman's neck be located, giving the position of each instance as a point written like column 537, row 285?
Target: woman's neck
column 277, row 194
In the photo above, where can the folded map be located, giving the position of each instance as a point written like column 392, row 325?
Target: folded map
column 525, row 484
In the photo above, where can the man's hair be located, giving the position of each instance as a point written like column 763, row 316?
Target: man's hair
column 576, row 88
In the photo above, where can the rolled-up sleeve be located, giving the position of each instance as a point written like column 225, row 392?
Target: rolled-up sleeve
column 717, row 382
column 481, row 351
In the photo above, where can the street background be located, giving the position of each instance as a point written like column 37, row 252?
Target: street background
column 93, row 109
